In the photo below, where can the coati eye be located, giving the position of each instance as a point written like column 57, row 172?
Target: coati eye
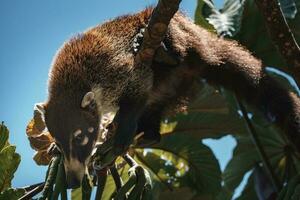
column 91, row 129
column 80, row 138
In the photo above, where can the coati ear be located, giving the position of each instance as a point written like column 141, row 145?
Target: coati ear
column 87, row 99
column 39, row 112
column 40, row 107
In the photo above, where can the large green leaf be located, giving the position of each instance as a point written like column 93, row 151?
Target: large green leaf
column 9, row 159
column 245, row 156
column 208, row 115
column 289, row 8
column 12, row 194
column 227, row 21
column 204, row 8
column 3, row 136
column 248, row 192
column 9, row 162
column 180, row 161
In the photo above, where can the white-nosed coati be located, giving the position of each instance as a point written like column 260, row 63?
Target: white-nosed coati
column 93, row 75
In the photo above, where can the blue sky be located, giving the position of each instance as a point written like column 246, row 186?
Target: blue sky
column 31, row 32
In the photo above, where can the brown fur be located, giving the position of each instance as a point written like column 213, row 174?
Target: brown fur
column 102, row 56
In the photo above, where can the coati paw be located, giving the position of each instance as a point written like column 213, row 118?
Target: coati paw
column 106, row 154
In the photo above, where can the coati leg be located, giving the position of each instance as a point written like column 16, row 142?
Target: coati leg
column 149, row 124
column 127, row 119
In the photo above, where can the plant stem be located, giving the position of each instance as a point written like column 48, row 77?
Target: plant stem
column 117, row 178
column 102, row 177
column 34, row 191
column 255, row 138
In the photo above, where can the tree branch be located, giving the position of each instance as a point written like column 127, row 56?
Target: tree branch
column 156, row 30
column 281, row 35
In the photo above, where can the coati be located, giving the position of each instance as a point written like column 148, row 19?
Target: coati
column 93, row 77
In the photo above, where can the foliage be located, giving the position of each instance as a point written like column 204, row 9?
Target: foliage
column 245, row 156
column 39, row 138
column 9, row 162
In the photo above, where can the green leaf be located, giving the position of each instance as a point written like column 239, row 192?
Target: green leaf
column 76, row 194
column 183, row 161
column 227, row 21
column 4, row 133
column 208, row 115
column 248, row 192
column 244, row 158
column 204, row 8
column 12, row 194
column 9, row 162
column 288, row 8
column 110, row 186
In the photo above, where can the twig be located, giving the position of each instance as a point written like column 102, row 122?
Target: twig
column 34, row 191
column 156, row 30
column 130, row 161
column 102, row 177
column 259, row 146
column 31, row 187
column 281, row 35
column 117, row 179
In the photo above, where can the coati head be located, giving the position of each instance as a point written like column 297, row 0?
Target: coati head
column 74, row 126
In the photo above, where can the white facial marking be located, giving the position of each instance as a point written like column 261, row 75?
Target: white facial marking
column 84, row 141
column 77, row 132
column 91, row 129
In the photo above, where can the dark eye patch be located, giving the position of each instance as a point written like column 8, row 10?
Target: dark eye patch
column 80, row 138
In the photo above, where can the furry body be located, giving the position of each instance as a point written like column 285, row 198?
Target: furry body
column 102, row 60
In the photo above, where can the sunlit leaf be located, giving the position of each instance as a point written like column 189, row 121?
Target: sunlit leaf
column 182, row 161
column 208, row 115
column 288, row 8
column 12, row 194
column 3, row 136
column 9, row 162
column 227, row 21
column 40, row 139
column 76, row 194
column 204, row 8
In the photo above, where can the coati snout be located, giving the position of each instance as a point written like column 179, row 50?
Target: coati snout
column 74, row 126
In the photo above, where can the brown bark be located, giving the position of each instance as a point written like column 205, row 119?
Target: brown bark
column 281, row 35
column 156, row 30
